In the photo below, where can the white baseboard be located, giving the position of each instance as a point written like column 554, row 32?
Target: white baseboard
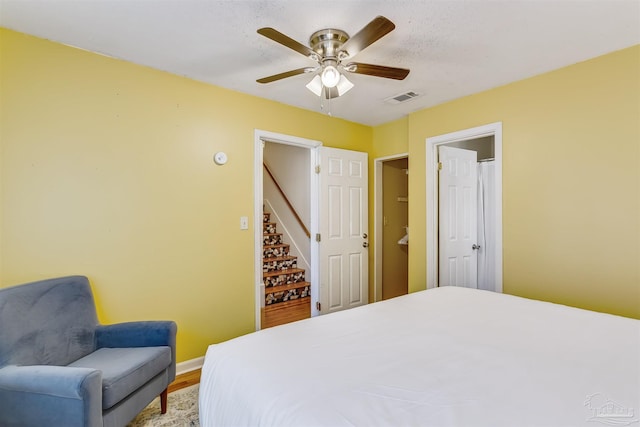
column 189, row 365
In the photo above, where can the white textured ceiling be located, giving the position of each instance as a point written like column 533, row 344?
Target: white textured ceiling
column 453, row 48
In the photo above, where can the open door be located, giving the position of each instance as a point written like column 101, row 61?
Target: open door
column 343, row 226
column 458, row 263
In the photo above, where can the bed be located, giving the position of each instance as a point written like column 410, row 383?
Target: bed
column 443, row 357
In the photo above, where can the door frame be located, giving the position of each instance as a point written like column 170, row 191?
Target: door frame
column 432, row 143
column 261, row 136
column 377, row 221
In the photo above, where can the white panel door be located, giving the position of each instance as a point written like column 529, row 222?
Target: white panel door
column 344, row 277
column 457, row 216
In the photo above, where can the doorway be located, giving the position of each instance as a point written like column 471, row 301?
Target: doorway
column 391, row 273
column 305, row 151
column 335, row 193
column 487, row 142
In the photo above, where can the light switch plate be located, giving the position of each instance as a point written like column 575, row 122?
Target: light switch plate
column 244, row 223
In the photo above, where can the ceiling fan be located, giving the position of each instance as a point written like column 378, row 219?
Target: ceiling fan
column 331, row 48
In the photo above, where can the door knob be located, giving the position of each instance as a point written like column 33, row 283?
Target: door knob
column 365, row 245
column 475, row 247
column 365, row 235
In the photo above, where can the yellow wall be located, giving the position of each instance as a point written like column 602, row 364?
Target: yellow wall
column 107, row 171
column 571, row 181
column 390, row 138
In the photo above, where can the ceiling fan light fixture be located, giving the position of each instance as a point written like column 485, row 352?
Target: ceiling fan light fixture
column 343, row 85
column 330, row 76
column 315, row 85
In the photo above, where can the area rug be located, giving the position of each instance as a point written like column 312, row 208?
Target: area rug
column 182, row 410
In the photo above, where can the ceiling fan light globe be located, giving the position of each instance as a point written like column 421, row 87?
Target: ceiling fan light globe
column 330, row 76
column 315, row 86
column 343, row 85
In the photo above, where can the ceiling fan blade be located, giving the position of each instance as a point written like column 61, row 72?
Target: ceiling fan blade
column 377, row 70
column 285, row 75
column 285, row 40
column 372, row 32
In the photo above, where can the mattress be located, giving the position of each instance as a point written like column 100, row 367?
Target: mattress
column 443, row 357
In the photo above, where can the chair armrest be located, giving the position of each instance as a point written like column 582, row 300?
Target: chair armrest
column 140, row 334
column 137, row 334
column 50, row 395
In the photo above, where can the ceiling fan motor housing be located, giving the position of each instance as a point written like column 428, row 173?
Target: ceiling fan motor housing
column 327, row 43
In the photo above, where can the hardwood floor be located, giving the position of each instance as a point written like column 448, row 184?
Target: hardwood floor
column 185, row 380
column 285, row 312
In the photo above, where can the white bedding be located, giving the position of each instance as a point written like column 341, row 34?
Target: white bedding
column 443, row 357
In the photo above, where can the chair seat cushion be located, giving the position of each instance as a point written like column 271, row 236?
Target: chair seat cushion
column 124, row 370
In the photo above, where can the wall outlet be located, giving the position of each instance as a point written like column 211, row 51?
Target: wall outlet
column 244, row 223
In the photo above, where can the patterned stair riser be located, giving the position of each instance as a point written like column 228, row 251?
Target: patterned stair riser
column 272, row 239
column 282, row 296
column 284, row 279
column 275, row 251
column 284, row 264
column 277, row 258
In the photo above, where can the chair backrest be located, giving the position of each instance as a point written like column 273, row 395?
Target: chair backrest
column 49, row 322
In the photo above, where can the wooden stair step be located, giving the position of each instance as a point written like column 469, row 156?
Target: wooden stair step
column 283, row 272
column 280, row 288
column 280, row 258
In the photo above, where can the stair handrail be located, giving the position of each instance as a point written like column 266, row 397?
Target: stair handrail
column 286, row 199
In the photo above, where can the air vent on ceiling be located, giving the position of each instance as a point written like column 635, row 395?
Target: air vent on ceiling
column 402, row 97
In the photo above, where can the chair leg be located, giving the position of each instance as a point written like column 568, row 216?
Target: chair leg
column 163, row 401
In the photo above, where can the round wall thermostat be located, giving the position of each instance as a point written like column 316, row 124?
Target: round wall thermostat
column 220, row 158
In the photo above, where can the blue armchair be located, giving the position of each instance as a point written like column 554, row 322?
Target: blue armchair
column 60, row 367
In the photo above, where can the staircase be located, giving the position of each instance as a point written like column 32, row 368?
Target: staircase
column 286, row 293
